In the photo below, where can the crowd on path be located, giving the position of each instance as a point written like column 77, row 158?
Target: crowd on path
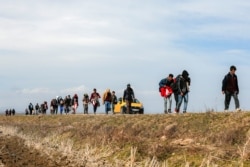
column 69, row 105
column 180, row 87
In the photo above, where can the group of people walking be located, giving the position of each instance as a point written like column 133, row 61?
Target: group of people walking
column 180, row 87
column 69, row 105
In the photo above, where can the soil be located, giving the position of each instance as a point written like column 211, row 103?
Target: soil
column 14, row 153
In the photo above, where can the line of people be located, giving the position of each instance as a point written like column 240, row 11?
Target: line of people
column 9, row 112
column 68, row 105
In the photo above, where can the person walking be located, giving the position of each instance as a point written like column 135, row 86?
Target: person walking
column 85, row 102
column 128, row 96
column 181, row 93
column 113, row 102
column 74, row 103
column 106, row 100
column 231, row 89
column 166, row 92
column 94, row 98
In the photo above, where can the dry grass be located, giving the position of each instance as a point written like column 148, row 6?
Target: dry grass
column 197, row 139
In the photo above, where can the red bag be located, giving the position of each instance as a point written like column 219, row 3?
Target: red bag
column 166, row 91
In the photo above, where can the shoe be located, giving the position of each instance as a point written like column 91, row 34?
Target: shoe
column 169, row 111
column 165, row 111
column 176, row 111
column 184, row 111
column 226, row 110
column 238, row 109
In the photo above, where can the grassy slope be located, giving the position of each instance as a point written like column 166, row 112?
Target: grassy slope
column 198, row 139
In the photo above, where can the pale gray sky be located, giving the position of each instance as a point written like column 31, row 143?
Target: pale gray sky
column 50, row 48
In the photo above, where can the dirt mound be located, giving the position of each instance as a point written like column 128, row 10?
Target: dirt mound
column 14, row 152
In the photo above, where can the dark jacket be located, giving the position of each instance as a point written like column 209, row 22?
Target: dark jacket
column 230, row 83
column 128, row 94
column 165, row 82
column 182, row 84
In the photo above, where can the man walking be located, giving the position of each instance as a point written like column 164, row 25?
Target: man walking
column 181, row 93
column 230, row 88
column 128, row 96
column 166, row 92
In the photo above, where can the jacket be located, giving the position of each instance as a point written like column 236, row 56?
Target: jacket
column 230, row 83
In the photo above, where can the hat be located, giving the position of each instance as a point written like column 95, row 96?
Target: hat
column 128, row 85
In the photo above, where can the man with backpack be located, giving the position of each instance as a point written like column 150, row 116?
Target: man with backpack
column 166, row 92
column 181, row 90
column 128, row 97
column 230, row 88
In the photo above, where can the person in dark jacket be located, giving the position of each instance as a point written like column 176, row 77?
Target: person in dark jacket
column 128, row 96
column 183, row 82
column 230, row 88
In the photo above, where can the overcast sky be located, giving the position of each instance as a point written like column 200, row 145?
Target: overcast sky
column 55, row 48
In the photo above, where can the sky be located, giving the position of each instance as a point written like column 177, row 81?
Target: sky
column 58, row 48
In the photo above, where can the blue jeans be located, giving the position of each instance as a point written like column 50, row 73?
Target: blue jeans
column 180, row 98
column 107, row 106
column 167, row 106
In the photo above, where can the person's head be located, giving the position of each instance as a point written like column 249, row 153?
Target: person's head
column 170, row 76
column 232, row 69
column 185, row 74
column 94, row 89
column 128, row 85
column 113, row 92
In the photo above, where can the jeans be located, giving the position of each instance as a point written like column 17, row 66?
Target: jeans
column 180, row 98
column 107, row 106
column 167, row 104
column 228, row 96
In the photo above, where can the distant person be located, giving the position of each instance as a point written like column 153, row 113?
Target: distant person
column 182, row 83
column 67, row 104
column 85, row 102
column 166, row 92
column 94, row 98
column 13, row 111
column 113, row 102
column 128, row 96
column 74, row 103
column 7, row 112
column 106, row 100
column 231, row 89
column 60, row 102
column 37, row 108
column 31, row 108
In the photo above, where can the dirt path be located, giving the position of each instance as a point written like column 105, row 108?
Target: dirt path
column 14, row 153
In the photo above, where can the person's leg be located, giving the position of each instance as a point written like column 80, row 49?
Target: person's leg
column 236, row 100
column 106, row 107
column 169, row 104
column 128, row 104
column 180, row 98
column 185, row 103
column 227, row 100
column 165, row 105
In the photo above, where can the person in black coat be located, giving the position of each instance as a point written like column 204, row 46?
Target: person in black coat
column 231, row 89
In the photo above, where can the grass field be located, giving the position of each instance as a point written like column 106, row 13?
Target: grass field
column 156, row 140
